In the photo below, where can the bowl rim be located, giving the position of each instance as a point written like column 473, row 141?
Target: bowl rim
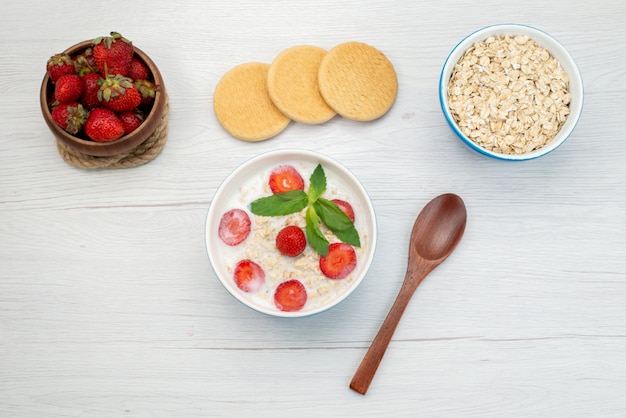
column 292, row 154
column 543, row 39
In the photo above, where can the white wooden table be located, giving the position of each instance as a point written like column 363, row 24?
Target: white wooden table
column 108, row 304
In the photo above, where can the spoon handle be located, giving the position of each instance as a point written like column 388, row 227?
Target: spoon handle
column 367, row 369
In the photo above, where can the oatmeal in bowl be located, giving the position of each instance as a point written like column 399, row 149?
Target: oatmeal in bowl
column 291, row 233
column 511, row 92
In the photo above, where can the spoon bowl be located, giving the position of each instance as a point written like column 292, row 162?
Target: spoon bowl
column 436, row 232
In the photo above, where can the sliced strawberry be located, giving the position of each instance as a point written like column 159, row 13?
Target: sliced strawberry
column 345, row 207
column 234, row 227
column 339, row 262
column 290, row 296
column 249, row 276
column 285, row 178
column 290, row 241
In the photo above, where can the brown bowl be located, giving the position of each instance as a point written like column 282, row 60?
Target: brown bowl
column 124, row 144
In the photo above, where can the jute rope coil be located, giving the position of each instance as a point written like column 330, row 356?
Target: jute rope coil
column 142, row 154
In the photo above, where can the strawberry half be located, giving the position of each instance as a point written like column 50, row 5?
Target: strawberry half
column 249, row 276
column 290, row 241
column 290, row 296
column 345, row 207
column 285, row 178
column 339, row 262
column 234, row 227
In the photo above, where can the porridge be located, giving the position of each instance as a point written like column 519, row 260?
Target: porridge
column 274, row 278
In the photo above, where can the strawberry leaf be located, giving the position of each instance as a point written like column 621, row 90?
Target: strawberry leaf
column 314, row 235
column 280, row 204
column 337, row 221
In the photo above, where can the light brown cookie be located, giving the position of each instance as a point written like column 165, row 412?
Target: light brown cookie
column 292, row 84
column 243, row 107
column 357, row 81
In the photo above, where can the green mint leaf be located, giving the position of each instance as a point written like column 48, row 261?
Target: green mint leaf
column 337, row 221
column 317, row 183
column 314, row 235
column 280, row 204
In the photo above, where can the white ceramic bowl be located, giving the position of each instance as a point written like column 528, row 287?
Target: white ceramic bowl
column 245, row 184
column 556, row 50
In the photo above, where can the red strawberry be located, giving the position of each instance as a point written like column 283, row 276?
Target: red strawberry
column 85, row 63
column 130, row 120
column 285, row 178
column 113, row 54
column 291, row 241
column 70, row 116
column 103, row 125
column 138, row 70
column 147, row 89
column 249, row 276
column 234, row 227
column 90, row 94
column 68, row 88
column 118, row 93
column 290, row 296
column 339, row 262
column 58, row 65
column 345, row 207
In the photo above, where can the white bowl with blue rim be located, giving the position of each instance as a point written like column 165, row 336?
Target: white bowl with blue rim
column 543, row 40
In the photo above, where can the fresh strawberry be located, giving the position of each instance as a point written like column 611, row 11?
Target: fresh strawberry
column 85, row 63
column 70, row 116
column 249, row 276
column 68, row 88
column 118, row 93
column 290, row 296
column 339, row 262
column 113, row 54
column 89, row 98
column 130, row 120
column 147, row 89
column 345, row 207
column 234, row 227
column 138, row 70
column 290, row 241
column 285, row 178
column 103, row 125
column 58, row 65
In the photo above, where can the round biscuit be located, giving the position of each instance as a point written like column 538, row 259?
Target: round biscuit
column 243, row 106
column 293, row 87
column 358, row 81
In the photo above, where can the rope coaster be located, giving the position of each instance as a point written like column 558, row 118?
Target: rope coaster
column 142, row 154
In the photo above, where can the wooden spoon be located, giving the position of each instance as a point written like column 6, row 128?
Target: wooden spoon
column 436, row 232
